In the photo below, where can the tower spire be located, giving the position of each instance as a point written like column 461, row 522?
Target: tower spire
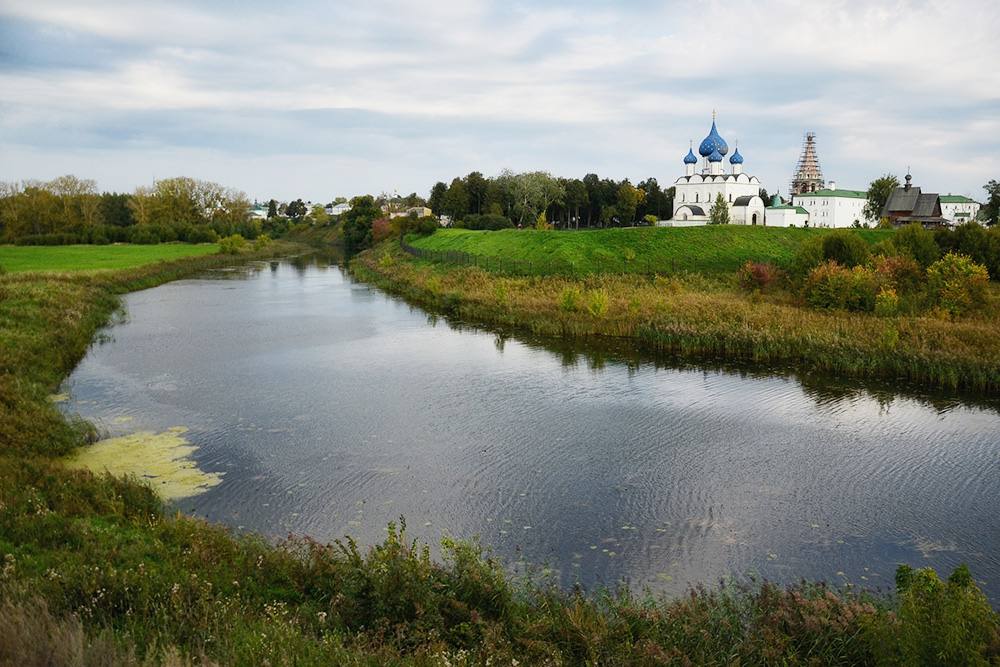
column 808, row 175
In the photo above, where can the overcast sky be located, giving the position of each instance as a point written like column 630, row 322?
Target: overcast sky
column 314, row 99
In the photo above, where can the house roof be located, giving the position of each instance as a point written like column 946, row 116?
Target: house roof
column 901, row 199
column 957, row 199
column 695, row 209
column 743, row 201
column 827, row 192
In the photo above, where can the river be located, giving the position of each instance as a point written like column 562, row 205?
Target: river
column 329, row 409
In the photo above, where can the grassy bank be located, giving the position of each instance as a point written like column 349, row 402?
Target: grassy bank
column 722, row 248
column 697, row 313
column 93, row 570
column 16, row 259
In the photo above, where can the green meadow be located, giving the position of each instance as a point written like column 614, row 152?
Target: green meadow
column 15, row 259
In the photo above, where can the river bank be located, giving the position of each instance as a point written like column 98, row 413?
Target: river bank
column 693, row 313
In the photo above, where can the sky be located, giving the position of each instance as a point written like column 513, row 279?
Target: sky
column 321, row 99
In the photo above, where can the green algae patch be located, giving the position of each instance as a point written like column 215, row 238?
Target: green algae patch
column 58, row 398
column 162, row 459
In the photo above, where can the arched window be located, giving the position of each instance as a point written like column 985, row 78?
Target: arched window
column 730, row 198
column 682, row 196
column 696, row 198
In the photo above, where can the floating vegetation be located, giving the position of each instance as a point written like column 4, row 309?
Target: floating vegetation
column 58, row 398
column 162, row 459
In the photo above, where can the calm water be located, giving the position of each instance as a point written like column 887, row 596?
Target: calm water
column 333, row 409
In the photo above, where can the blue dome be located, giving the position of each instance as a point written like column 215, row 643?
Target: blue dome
column 690, row 158
column 716, row 156
column 713, row 142
column 736, row 158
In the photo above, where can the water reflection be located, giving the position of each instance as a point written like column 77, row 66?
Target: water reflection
column 332, row 409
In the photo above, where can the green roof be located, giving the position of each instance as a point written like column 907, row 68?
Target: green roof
column 957, row 199
column 826, row 192
column 786, row 207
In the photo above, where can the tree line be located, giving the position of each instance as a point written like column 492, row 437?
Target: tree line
column 71, row 210
column 538, row 199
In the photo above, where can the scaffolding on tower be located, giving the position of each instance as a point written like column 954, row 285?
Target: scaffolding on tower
column 808, row 175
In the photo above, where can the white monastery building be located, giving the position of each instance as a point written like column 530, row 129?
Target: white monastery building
column 831, row 207
column 695, row 193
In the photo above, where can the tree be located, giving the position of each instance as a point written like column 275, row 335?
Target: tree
column 456, row 200
column 477, row 188
column 628, row 199
column 357, row 224
column 879, row 192
column 719, row 213
column 576, row 196
column 272, row 209
column 991, row 211
column 434, row 203
column 766, row 198
column 114, row 210
column 296, row 209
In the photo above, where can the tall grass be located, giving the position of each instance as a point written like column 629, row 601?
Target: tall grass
column 698, row 314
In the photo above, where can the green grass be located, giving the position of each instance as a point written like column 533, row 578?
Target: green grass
column 16, row 259
column 721, row 248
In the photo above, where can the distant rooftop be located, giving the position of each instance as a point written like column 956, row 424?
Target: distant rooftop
column 827, row 192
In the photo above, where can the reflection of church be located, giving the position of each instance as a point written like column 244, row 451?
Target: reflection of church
column 694, row 193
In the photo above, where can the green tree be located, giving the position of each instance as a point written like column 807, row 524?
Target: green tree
column 991, row 210
column 719, row 213
column 272, row 209
column 879, row 192
column 477, row 188
column 628, row 199
column 456, row 200
column 296, row 210
column 114, row 210
column 357, row 224
column 575, row 198
column 436, row 201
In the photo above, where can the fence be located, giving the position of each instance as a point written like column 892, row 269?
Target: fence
column 644, row 265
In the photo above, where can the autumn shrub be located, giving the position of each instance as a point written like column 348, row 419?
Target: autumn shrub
column 569, row 300
column 845, row 248
column 917, row 243
column 957, row 285
column 597, row 303
column 231, row 245
column 901, row 273
column 757, row 276
column 887, row 302
column 831, row 286
column 381, row 230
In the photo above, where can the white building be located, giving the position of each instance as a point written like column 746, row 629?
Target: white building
column 695, row 193
column 831, row 207
column 958, row 210
column 786, row 215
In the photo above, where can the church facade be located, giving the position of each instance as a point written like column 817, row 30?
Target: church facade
column 696, row 190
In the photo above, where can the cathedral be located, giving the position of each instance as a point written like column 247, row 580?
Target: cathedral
column 696, row 191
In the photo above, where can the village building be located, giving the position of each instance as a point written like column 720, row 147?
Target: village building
column 696, row 191
column 830, row 207
column 779, row 214
column 958, row 209
column 908, row 204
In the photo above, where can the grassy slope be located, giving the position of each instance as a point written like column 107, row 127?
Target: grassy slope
column 692, row 314
column 724, row 248
column 88, row 257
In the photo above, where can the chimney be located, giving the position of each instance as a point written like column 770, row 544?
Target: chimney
column 833, row 185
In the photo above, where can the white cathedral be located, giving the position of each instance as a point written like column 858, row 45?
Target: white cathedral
column 695, row 193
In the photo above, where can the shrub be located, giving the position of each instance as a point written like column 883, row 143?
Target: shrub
column 598, row 303
column 887, row 303
column 569, row 300
column 756, row 276
column 845, row 248
column 918, row 243
column 957, row 285
column 427, row 225
column 381, row 230
column 808, row 257
column 231, row 245
column 834, row 287
column 262, row 242
column 942, row 623
column 899, row 272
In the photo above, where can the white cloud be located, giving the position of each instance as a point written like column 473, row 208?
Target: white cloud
column 441, row 89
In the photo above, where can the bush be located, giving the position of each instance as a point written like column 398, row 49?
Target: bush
column 381, row 230
column 231, row 245
column 756, row 276
column 834, row 287
column 808, row 257
column 845, row 248
column 569, row 300
column 598, row 303
column 490, row 221
column 957, row 285
column 917, row 243
column 899, row 272
column 427, row 225
column 941, row 623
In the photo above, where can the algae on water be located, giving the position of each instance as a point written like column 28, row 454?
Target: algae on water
column 162, row 459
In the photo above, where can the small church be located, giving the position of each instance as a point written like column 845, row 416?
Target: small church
column 696, row 191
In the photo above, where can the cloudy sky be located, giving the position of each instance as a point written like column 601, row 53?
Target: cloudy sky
column 313, row 99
